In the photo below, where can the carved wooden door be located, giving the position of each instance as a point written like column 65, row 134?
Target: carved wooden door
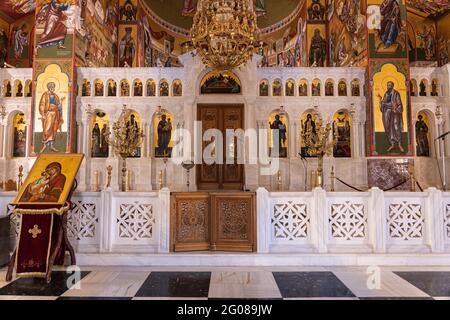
column 213, row 221
column 233, row 226
column 190, row 221
column 213, row 176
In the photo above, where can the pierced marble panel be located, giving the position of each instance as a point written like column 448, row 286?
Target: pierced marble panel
column 82, row 222
column 447, row 221
column 348, row 221
column 290, row 221
column 405, row 221
column 136, row 221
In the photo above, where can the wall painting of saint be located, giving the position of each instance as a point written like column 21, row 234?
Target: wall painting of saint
column 278, row 125
column 387, row 28
column 163, row 127
column 51, row 114
column 19, row 135
column 390, row 112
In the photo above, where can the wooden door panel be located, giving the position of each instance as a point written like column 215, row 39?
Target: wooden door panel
column 233, row 222
column 225, row 176
column 190, row 221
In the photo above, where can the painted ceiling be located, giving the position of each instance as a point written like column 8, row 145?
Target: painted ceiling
column 171, row 11
column 432, row 8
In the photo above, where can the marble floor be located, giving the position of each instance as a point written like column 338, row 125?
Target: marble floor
column 184, row 283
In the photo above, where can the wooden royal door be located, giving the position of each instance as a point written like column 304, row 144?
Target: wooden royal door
column 216, row 221
column 221, row 176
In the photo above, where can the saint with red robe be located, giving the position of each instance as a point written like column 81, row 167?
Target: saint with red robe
column 55, row 29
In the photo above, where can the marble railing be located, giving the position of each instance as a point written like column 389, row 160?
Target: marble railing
column 317, row 222
column 110, row 221
column 349, row 222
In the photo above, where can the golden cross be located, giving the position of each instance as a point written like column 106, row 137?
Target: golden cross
column 35, row 231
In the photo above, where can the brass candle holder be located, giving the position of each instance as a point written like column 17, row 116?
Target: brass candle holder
column 125, row 140
column 20, row 181
column 332, row 179
column 318, row 144
column 279, row 181
column 313, row 180
column 160, row 180
column 109, row 171
column 96, row 181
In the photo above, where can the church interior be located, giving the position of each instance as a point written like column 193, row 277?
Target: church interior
column 277, row 149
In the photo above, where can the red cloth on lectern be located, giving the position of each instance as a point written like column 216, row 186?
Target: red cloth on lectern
column 34, row 245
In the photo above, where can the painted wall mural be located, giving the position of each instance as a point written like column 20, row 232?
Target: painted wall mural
column 307, row 124
column 51, row 115
column 163, row 126
column 390, row 113
column 99, row 135
column 422, row 42
column 127, row 45
column 317, row 45
column 217, row 82
column 19, row 135
column 278, row 121
column 347, row 44
column 97, row 44
column 342, row 129
column 387, row 28
column 20, row 54
column 422, row 128
column 53, row 111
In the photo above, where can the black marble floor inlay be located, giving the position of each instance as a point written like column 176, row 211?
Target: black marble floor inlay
column 310, row 284
column 39, row 286
column 176, row 284
column 435, row 284
column 395, row 298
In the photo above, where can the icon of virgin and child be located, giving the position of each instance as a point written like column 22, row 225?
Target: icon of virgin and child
column 48, row 187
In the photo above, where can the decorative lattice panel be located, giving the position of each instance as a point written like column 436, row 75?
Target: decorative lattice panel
column 405, row 221
column 135, row 221
column 348, row 221
column 447, row 221
column 290, row 221
column 82, row 222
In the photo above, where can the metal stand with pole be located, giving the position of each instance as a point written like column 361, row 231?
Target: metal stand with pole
column 444, row 171
column 444, row 175
column 305, row 168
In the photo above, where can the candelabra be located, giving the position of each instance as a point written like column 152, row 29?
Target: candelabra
column 125, row 140
column 318, row 144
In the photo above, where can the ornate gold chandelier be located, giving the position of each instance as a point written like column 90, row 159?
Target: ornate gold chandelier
column 224, row 32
